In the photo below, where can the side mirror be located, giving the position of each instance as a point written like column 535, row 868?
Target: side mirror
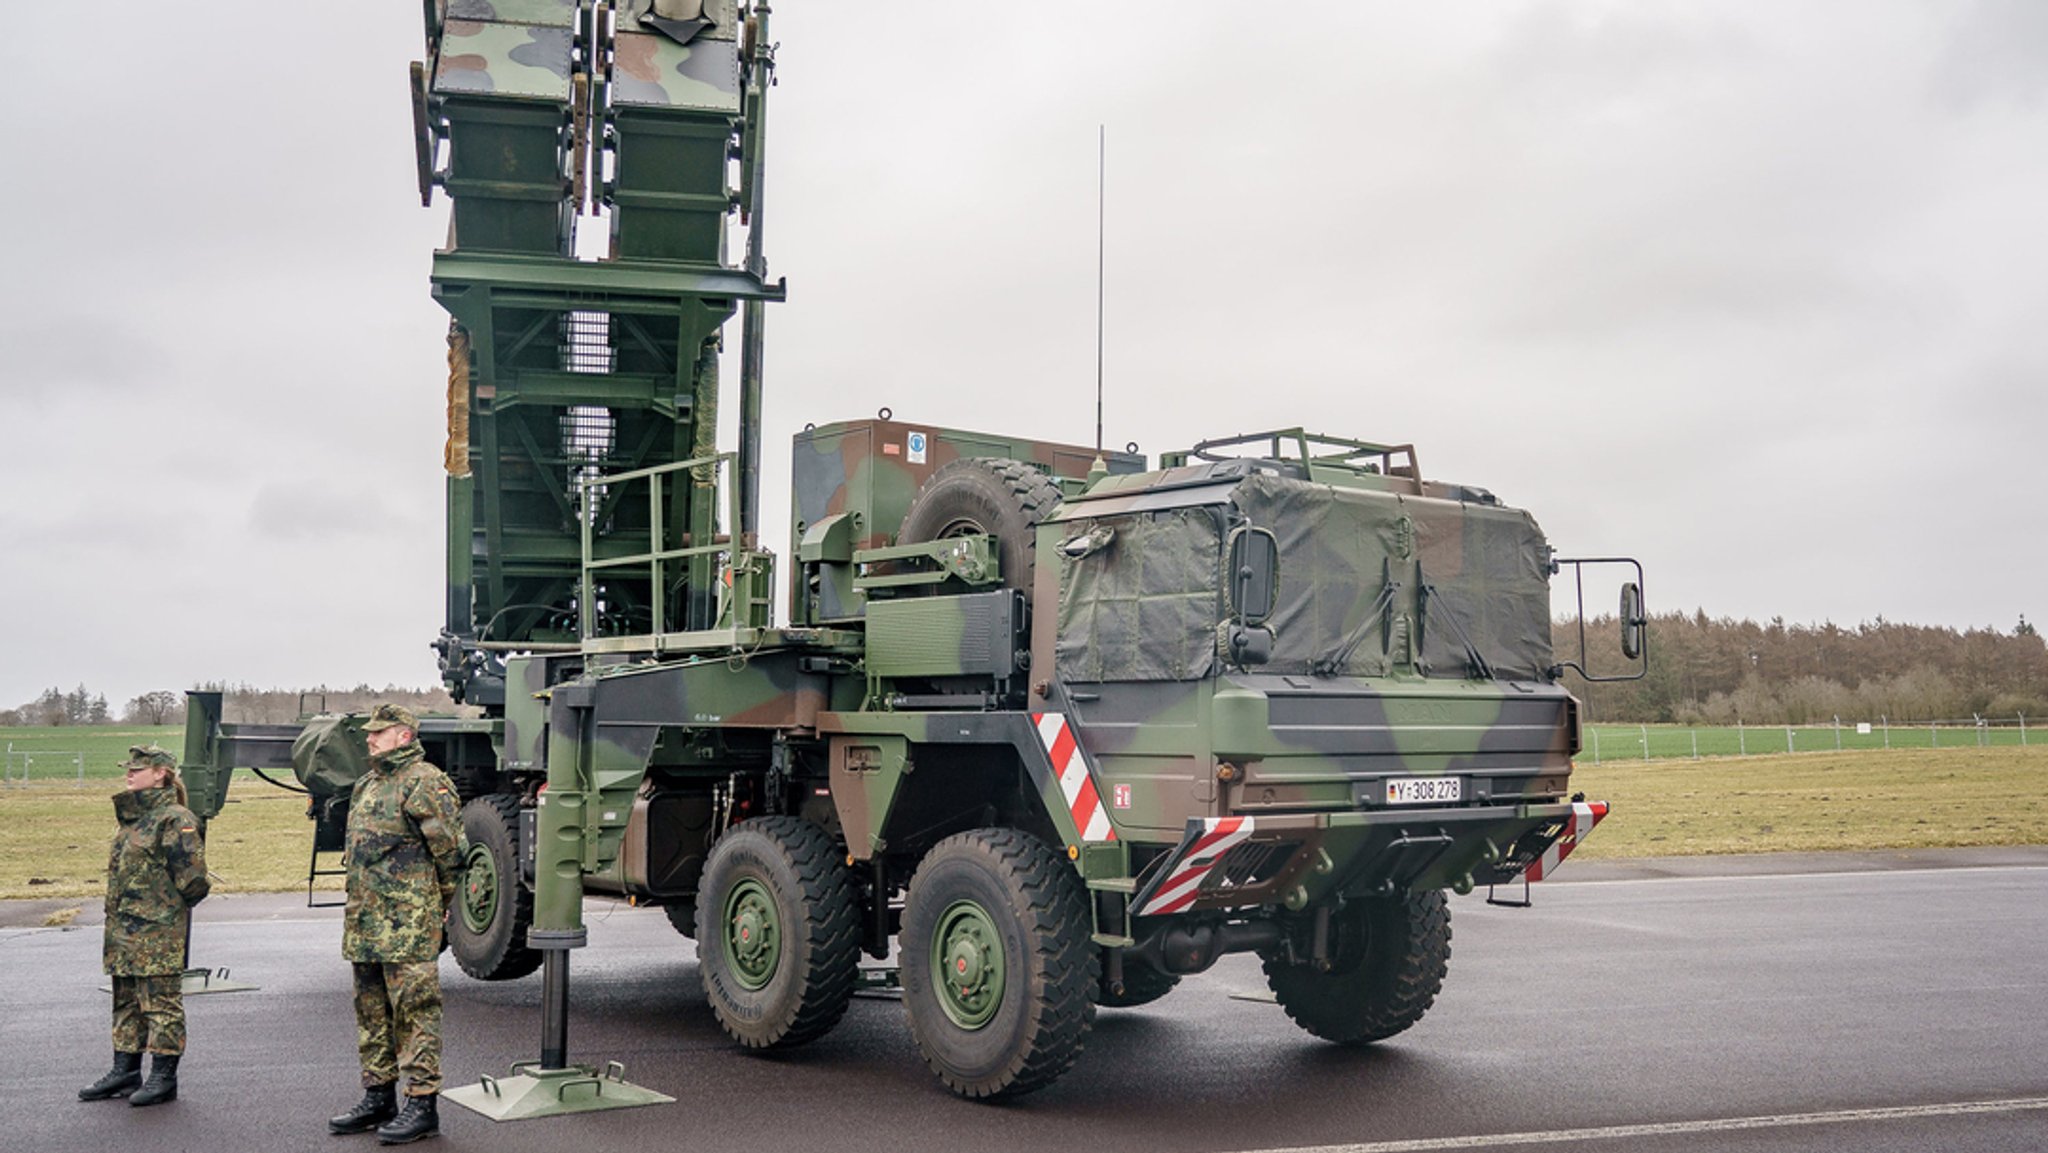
column 1254, row 574
column 1633, row 622
column 1251, row 645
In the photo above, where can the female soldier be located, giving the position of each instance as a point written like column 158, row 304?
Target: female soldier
column 155, row 874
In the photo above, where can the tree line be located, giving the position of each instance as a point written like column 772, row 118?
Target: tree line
column 1720, row 671
column 240, row 704
column 1702, row 671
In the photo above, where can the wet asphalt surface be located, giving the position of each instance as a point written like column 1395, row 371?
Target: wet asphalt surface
column 1664, row 993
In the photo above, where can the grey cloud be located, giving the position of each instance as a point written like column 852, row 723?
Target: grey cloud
column 1595, row 60
column 79, row 353
column 312, row 508
column 1645, row 268
column 1996, row 52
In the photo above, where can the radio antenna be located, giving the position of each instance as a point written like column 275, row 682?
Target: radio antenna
column 1101, row 164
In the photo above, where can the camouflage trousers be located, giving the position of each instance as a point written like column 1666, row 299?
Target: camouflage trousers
column 150, row 1012
column 398, row 1024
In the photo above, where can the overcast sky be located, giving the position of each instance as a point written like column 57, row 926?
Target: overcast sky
column 1755, row 292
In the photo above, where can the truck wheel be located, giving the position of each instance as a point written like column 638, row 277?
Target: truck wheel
column 1142, row 986
column 682, row 916
column 492, row 910
column 1003, row 498
column 778, row 937
column 997, row 964
column 1387, row 964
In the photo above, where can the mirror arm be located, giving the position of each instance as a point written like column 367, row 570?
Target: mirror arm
column 1578, row 564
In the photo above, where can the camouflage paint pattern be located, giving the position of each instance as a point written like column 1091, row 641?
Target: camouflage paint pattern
column 156, row 872
column 504, row 59
column 650, row 69
column 398, row 1024
column 940, row 637
column 390, row 716
column 557, row 13
column 149, row 757
column 524, row 749
column 873, row 467
column 870, row 471
column 608, row 728
column 877, row 782
column 1168, row 731
column 525, row 123
column 1406, row 638
column 405, row 848
column 1177, row 735
column 149, row 1013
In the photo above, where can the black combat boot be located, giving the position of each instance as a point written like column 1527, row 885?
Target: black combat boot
column 162, row 1084
column 416, row 1120
column 379, row 1104
column 120, row 1080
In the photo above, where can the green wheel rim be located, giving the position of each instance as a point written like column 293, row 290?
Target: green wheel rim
column 753, row 934
column 479, row 889
column 967, row 965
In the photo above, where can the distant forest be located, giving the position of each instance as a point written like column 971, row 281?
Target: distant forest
column 1703, row 670
column 1718, row 671
column 242, row 704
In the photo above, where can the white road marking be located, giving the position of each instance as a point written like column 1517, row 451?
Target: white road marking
column 1809, row 874
column 1681, row 1128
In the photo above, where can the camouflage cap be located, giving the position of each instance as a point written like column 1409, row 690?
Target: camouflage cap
column 149, row 757
column 386, row 715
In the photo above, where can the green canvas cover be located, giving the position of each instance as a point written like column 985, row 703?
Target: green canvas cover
column 1468, row 581
column 330, row 753
column 1464, row 572
column 1143, row 605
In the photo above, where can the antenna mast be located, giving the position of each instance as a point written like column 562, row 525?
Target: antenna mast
column 1101, row 163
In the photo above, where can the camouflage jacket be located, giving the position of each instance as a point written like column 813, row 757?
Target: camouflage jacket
column 405, row 849
column 156, row 872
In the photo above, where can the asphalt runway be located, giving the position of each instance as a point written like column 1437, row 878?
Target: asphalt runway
column 1701, row 1005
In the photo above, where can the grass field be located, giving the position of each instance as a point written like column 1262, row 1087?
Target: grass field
column 53, row 835
column 59, row 754
column 54, row 839
column 1901, row 798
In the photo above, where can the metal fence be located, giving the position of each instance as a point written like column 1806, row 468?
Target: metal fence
column 1678, row 742
column 18, row 765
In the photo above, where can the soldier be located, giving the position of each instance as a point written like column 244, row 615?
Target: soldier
column 156, row 872
column 405, row 851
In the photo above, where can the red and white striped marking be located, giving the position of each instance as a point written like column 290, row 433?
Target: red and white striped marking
column 1584, row 817
column 1184, row 883
column 1082, row 800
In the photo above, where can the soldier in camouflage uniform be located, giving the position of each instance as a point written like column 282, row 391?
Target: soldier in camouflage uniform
column 156, row 872
column 405, row 851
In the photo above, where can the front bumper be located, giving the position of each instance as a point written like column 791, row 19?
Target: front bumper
column 1297, row 860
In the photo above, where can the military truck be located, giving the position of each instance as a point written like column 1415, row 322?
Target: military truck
column 1051, row 727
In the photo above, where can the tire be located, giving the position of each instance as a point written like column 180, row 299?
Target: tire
column 1142, row 985
column 682, row 916
column 473, row 781
column 492, row 910
column 1002, row 907
column 778, row 933
column 1387, row 965
column 1002, row 498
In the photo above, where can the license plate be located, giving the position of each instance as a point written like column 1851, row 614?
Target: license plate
column 1425, row 790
